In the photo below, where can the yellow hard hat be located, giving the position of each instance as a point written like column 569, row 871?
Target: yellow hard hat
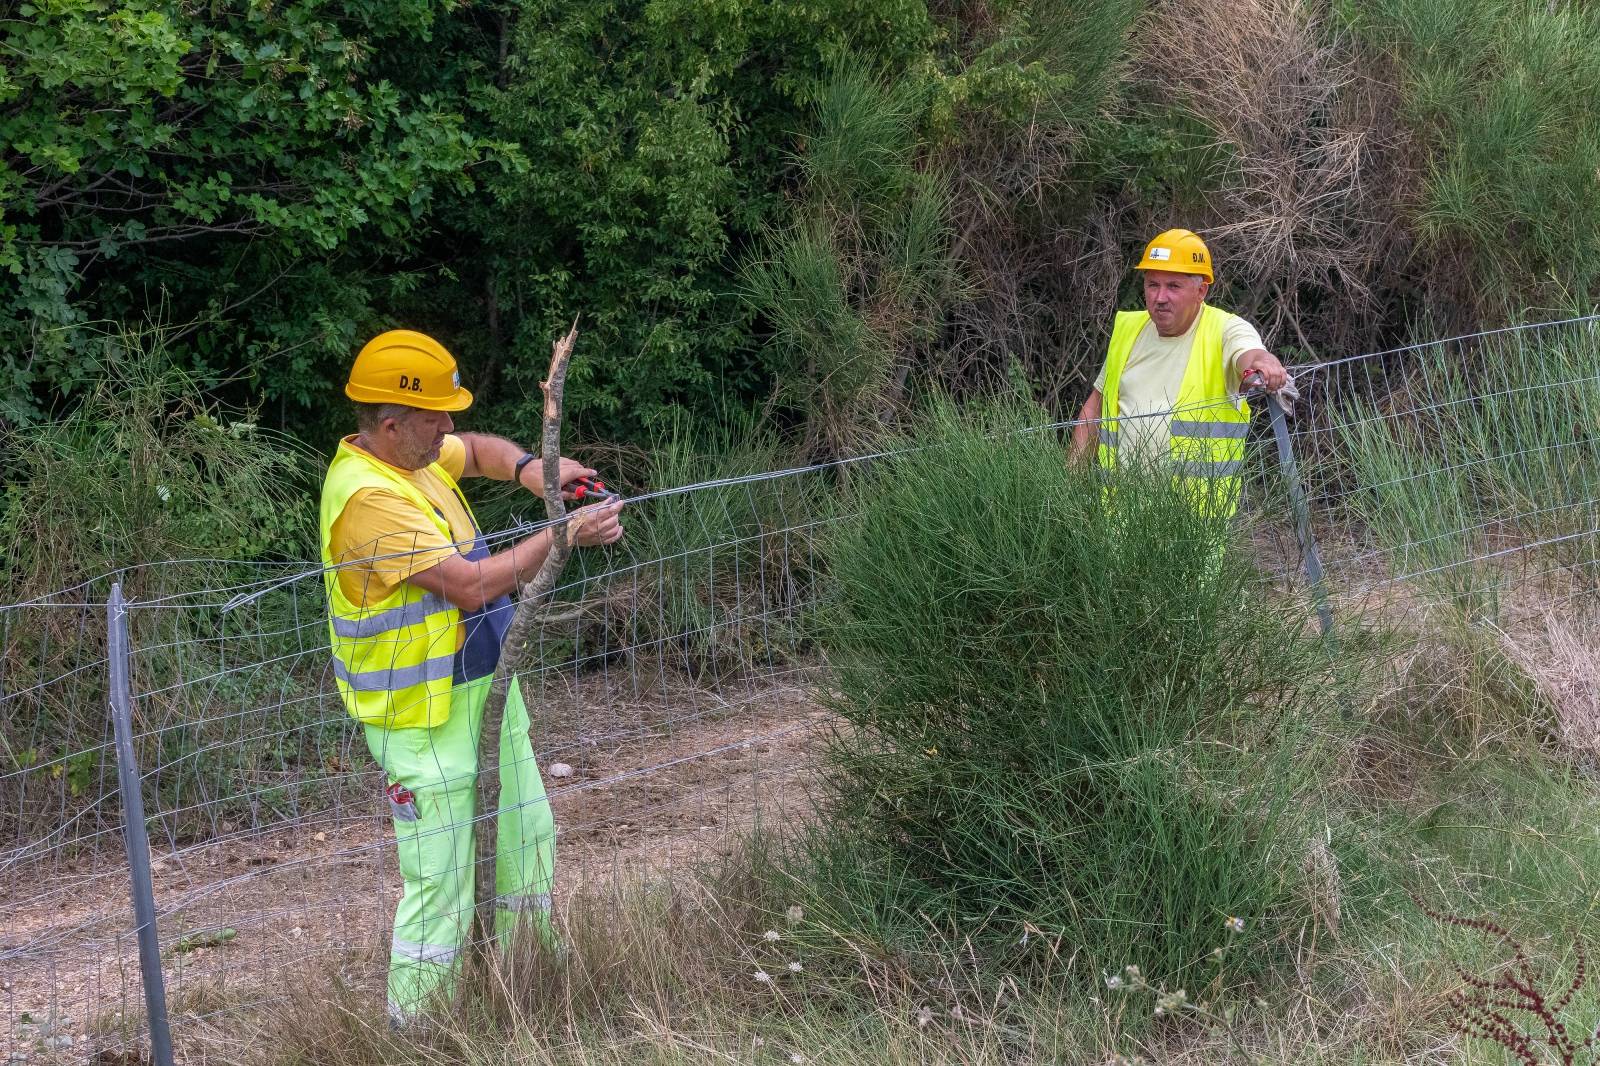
column 406, row 367
column 1180, row 251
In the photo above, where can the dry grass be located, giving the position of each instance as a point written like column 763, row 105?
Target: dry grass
column 1562, row 657
column 1306, row 204
column 662, row 972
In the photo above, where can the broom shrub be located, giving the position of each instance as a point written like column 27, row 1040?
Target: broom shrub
column 1086, row 720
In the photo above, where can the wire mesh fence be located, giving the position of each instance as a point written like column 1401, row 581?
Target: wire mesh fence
column 671, row 693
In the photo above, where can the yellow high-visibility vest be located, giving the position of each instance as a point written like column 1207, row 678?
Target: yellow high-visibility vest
column 393, row 660
column 1207, row 429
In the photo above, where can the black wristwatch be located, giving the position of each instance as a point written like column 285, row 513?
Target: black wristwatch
column 516, row 472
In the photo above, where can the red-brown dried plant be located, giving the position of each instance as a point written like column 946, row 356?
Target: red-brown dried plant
column 1512, row 1010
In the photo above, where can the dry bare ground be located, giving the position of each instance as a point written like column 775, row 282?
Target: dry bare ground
column 242, row 918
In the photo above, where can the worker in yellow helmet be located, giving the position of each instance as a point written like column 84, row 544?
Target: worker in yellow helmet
column 418, row 607
column 1169, row 392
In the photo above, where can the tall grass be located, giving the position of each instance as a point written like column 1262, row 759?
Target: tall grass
column 147, row 481
column 1483, row 466
column 721, row 573
column 1085, row 720
column 1499, row 94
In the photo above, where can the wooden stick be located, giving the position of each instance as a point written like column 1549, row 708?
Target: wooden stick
column 530, row 599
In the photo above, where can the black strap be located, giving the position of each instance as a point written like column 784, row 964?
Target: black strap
column 516, row 473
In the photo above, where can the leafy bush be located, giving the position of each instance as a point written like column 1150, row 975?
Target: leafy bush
column 207, row 159
column 1086, row 720
column 663, row 134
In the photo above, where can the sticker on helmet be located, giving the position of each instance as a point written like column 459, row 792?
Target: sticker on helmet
column 455, row 379
column 1161, row 254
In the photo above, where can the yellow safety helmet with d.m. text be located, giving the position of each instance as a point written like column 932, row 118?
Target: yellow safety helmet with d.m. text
column 1180, row 251
column 406, row 367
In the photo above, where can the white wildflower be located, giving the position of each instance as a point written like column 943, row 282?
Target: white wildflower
column 794, row 914
column 762, row 976
column 795, row 967
column 770, row 935
column 1235, row 925
column 1113, row 981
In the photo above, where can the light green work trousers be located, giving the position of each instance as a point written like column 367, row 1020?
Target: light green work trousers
column 436, row 774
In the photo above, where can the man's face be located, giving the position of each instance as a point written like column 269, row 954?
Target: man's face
column 1173, row 300
column 415, row 437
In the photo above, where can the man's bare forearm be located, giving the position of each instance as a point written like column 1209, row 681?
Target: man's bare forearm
column 496, row 458
column 1087, row 432
column 491, row 456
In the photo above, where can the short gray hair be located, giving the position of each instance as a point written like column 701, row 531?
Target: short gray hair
column 369, row 416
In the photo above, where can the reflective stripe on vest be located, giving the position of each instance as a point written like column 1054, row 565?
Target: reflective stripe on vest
column 407, row 614
column 395, row 677
column 392, row 659
column 1207, row 430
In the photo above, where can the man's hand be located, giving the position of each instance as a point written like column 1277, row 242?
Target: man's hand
column 1260, row 361
column 571, row 470
column 600, row 524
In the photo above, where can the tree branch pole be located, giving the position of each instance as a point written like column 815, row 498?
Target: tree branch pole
column 530, row 601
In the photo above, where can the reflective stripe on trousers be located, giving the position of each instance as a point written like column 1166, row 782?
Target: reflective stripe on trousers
column 539, row 901
column 437, row 954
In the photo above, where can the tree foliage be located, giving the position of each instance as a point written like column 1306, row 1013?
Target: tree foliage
column 225, row 164
column 279, row 179
column 661, row 134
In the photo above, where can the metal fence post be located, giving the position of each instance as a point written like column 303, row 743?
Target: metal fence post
column 1310, row 557
column 133, row 833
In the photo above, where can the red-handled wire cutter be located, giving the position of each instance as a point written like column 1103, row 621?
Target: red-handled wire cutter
column 589, row 490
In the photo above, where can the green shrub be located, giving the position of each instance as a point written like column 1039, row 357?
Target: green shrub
column 860, row 275
column 1500, row 94
column 1089, row 721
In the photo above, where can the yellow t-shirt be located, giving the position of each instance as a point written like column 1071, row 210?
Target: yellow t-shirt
column 1154, row 375
column 389, row 538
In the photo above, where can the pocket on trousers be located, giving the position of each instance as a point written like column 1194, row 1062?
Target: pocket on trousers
column 402, row 804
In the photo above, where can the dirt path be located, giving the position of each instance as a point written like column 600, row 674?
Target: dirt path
column 241, row 916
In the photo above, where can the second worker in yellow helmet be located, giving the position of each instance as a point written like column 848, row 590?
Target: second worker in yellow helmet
column 1168, row 393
